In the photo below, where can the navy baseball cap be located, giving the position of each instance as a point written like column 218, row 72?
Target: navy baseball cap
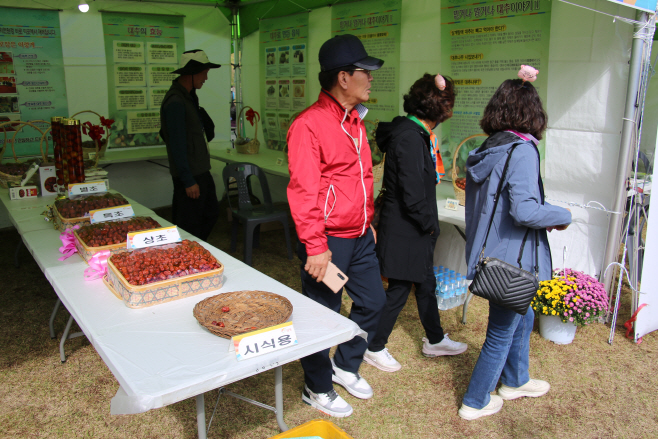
column 346, row 50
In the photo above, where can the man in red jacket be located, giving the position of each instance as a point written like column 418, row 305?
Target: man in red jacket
column 331, row 199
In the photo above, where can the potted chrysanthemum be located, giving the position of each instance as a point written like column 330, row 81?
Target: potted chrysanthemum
column 572, row 298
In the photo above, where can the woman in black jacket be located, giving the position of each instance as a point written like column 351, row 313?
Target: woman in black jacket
column 409, row 223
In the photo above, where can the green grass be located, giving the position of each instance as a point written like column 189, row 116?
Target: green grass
column 598, row 390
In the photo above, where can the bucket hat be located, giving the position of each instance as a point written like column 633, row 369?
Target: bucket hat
column 346, row 50
column 193, row 62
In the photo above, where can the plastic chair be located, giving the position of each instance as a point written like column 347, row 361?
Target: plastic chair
column 252, row 216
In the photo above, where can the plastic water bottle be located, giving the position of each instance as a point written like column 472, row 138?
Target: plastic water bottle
column 460, row 290
column 454, row 293
column 444, row 295
column 439, row 286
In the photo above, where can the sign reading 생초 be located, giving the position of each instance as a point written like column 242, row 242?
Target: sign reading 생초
column 264, row 341
column 150, row 238
column 92, row 187
column 111, row 213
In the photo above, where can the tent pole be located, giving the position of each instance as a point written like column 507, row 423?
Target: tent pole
column 629, row 130
column 237, row 49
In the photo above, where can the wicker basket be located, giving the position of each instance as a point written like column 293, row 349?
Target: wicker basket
column 248, row 311
column 99, row 150
column 87, row 252
column 245, row 145
column 19, row 125
column 460, row 193
column 141, row 296
column 62, row 223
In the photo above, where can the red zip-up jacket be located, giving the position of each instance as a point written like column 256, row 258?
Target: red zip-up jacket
column 331, row 185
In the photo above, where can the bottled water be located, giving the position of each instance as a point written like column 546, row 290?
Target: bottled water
column 444, row 295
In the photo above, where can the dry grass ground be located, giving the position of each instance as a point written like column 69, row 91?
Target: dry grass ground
column 598, row 390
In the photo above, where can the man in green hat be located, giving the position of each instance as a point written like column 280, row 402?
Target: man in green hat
column 186, row 129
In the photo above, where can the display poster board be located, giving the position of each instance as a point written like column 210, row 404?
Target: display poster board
column 283, row 74
column 142, row 51
column 32, row 85
column 644, row 5
column 377, row 24
column 483, row 44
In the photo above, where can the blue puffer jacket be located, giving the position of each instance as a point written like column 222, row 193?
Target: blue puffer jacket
column 520, row 205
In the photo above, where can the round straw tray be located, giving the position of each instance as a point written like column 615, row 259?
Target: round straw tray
column 248, row 311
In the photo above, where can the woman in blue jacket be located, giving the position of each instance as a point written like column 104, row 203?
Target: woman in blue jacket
column 513, row 116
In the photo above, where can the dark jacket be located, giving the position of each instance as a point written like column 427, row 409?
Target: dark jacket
column 182, row 131
column 409, row 221
column 519, row 207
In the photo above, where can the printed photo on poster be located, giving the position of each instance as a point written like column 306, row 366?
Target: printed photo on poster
column 299, row 60
column 8, row 84
column 9, row 104
column 271, row 69
column 283, row 56
column 7, row 63
column 284, row 94
column 272, row 94
column 298, row 94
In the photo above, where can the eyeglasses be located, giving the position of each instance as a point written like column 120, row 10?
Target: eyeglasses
column 367, row 72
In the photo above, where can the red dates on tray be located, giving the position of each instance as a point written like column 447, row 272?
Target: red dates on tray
column 107, row 233
column 80, row 207
column 154, row 264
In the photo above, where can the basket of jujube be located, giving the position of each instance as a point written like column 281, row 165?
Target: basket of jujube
column 69, row 212
column 160, row 274
column 111, row 235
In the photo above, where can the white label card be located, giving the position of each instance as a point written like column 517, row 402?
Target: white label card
column 150, row 238
column 111, row 213
column 264, row 341
column 92, row 187
column 452, row 204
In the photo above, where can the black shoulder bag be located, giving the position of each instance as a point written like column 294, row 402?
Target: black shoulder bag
column 502, row 283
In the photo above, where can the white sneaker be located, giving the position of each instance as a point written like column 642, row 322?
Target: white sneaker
column 330, row 403
column 533, row 389
column 353, row 382
column 445, row 347
column 382, row 360
column 494, row 406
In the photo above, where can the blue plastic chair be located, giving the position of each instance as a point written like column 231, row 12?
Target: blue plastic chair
column 248, row 214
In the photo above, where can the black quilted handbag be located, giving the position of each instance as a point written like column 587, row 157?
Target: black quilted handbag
column 500, row 282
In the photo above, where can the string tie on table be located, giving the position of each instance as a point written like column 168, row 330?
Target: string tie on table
column 97, row 265
column 68, row 240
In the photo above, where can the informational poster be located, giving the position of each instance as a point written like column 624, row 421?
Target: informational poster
column 283, row 45
column 32, row 85
column 142, row 51
column 377, row 24
column 482, row 45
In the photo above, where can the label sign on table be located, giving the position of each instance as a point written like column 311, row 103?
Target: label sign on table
column 111, row 213
column 149, row 238
column 92, row 187
column 264, row 341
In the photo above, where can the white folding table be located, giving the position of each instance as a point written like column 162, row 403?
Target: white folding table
column 160, row 354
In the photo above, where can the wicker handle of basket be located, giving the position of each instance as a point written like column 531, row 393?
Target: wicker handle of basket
column 453, row 171
column 19, row 128
column 4, row 131
column 107, row 133
column 256, row 118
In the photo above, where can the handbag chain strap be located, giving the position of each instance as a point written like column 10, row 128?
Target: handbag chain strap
column 493, row 212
